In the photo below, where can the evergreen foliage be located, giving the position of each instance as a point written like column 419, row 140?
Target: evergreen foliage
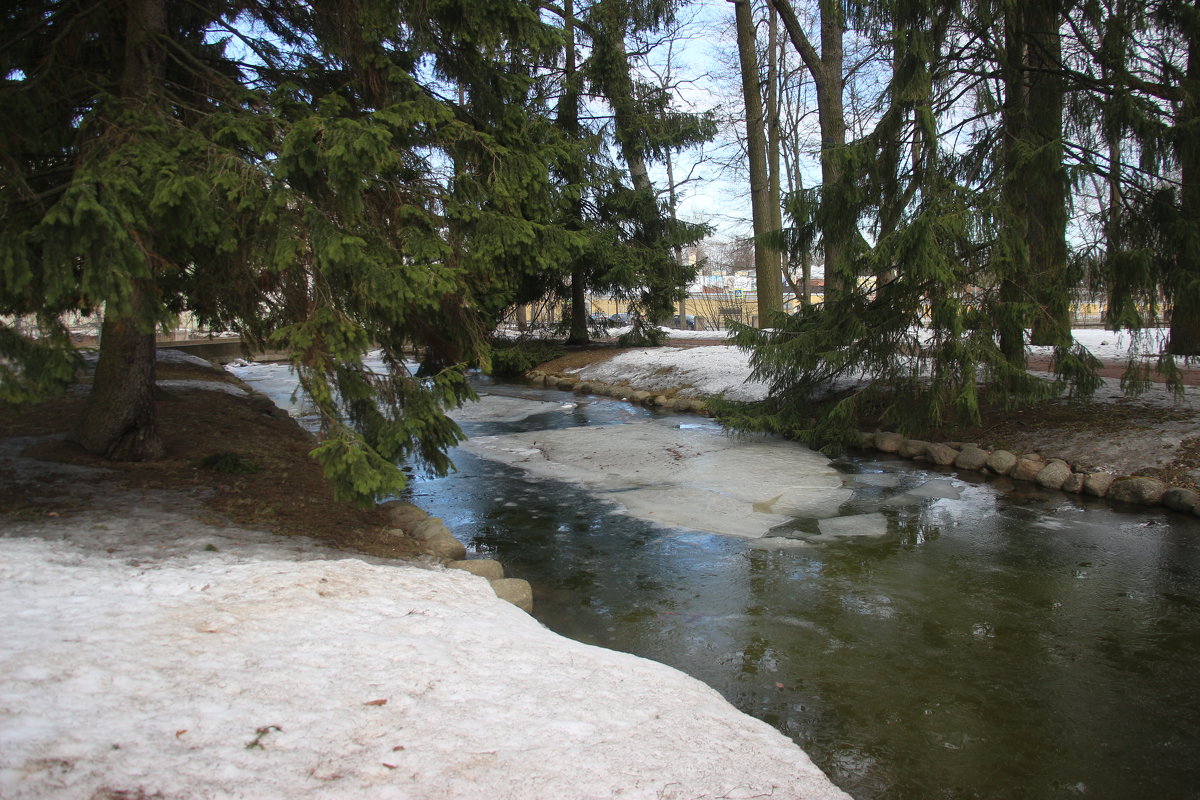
column 630, row 239
column 324, row 179
column 957, row 209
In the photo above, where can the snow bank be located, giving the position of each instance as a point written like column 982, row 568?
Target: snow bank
column 199, row 677
column 711, row 370
column 723, row 369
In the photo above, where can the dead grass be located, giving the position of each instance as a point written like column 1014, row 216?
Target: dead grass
column 583, row 356
column 1052, row 420
column 1000, row 425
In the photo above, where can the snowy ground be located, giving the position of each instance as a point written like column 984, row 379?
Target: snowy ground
column 1102, row 344
column 723, row 369
column 150, row 654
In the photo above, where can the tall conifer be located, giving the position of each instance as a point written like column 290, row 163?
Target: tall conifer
column 325, row 178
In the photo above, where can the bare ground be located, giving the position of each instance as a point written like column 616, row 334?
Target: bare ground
column 287, row 495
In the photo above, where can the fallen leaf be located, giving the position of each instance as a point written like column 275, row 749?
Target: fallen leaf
column 180, row 732
column 381, row 702
column 389, row 766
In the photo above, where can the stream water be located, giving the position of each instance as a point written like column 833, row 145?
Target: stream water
column 954, row 641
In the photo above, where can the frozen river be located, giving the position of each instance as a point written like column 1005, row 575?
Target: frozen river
column 919, row 633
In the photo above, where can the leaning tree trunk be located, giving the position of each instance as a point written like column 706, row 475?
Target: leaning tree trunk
column 119, row 420
column 827, row 70
column 774, row 193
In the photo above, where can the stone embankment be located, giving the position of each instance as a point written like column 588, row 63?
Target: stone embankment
column 437, row 541
column 1048, row 473
column 668, row 401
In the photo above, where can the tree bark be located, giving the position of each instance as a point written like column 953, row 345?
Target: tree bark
column 767, row 270
column 1031, row 261
column 608, row 44
column 1047, row 192
column 674, row 202
column 568, row 116
column 774, row 167
column 1012, row 255
column 1185, row 286
column 119, row 420
column 827, row 70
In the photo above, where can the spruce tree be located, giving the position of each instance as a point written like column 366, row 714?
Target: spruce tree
column 629, row 237
column 924, row 344
column 321, row 178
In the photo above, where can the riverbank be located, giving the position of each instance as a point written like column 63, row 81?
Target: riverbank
column 1154, row 434
column 171, row 631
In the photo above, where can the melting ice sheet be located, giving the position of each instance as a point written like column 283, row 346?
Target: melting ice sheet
column 499, row 408
column 698, row 479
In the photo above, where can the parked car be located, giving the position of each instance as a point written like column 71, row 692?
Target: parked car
column 621, row 319
column 691, row 322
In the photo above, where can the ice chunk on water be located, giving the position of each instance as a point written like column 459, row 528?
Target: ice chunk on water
column 882, row 480
column 499, row 408
column 936, row 489
column 941, row 489
column 695, row 479
column 856, row 525
column 778, row 543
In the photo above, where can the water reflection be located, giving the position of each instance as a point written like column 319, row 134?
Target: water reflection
column 975, row 646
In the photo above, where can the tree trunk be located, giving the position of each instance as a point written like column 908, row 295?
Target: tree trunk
column 831, row 115
column 579, row 308
column 674, row 202
column 1011, row 262
column 767, row 272
column 568, row 117
column 774, row 194
column 119, row 420
column 1185, row 285
column 611, row 23
column 827, row 70
column 1047, row 193
column 1031, row 261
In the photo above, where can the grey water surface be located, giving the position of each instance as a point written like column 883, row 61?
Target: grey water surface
column 930, row 634
column 971, row 644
